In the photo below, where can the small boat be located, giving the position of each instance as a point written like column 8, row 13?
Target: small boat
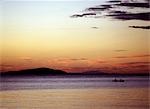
column 118, row 80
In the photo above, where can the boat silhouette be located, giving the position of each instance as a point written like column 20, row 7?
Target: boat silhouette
column 118, row 80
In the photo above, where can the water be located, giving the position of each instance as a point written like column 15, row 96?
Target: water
column 68, row 92
column 68, row 82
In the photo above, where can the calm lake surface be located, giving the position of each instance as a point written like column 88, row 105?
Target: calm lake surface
column 70, row 82
column 63, row 92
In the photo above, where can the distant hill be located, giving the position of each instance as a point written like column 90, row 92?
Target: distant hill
column 51, row 72
column 34, row 72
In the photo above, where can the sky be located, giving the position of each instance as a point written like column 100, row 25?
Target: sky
column 36, row 33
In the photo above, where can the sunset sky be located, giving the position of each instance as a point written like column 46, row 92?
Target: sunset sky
column 43, row 34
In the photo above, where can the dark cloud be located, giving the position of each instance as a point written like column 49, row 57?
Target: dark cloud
column 130, row 16
column 107, row 6
column 95, row 27
column 141, row 5
column 114, row 1
column 117, row 12
column 83, row 15
column 125, row 15
column 120, row 50
column 142, row 27
column 76, row 15
column 96, row 9
column 114, row 8
column 99, row 8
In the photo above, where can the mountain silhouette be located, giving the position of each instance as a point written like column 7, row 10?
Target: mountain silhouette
column 50, row 72
column 34, row 72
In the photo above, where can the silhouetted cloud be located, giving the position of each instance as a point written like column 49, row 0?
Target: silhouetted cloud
column 117, row 12
column 142, row 27
column 96, row 9
column 95, row 27
column 130, row 16
column 114, row 8
column 99, row 8
column 83, row 15
column 141, row 5
column 114, row 1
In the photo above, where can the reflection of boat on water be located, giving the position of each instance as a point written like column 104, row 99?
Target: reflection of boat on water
column 118, row 80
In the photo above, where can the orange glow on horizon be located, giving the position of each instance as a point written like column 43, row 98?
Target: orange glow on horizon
column 38, row 34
